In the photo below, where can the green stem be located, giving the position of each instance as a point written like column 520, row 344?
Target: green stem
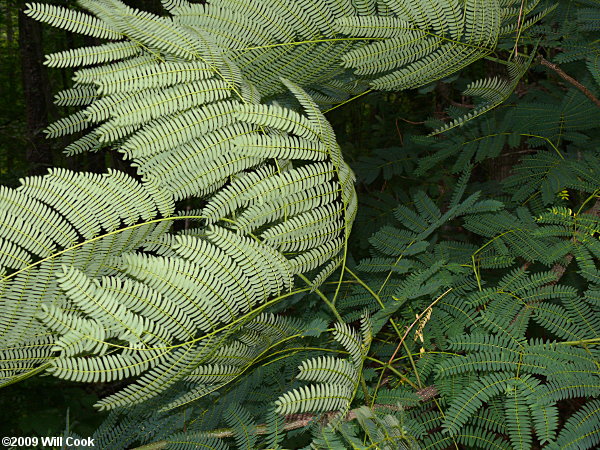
column 395, row 371
column 29, row 374
column 366, row 286
column 365, row 389
column 497, row 60
column 324, row 298
column 412, row 364
column 593, row 341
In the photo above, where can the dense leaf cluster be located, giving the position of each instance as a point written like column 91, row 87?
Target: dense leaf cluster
column 462, row 312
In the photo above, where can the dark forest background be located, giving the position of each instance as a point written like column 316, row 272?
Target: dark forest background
column 27, row 90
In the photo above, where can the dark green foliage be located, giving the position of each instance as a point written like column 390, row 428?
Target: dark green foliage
column 462, row 312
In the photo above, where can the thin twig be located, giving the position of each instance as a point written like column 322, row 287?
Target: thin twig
column 296, row 421
column 399, row 134
column 409, row 121
column 519, row 29
column 544, row 62
column 419, row 317
column 559, row 269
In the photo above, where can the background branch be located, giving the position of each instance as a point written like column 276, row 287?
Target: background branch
column 569, row 79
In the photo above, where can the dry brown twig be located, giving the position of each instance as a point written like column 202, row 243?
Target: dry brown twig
column 544, row 62
column 296, row 421
column 417, row 320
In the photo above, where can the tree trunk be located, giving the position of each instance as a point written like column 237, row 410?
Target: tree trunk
column 35, row 85
column 9, row 57
column 8, row 23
